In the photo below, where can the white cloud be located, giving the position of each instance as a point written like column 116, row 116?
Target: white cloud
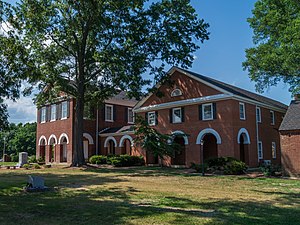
column 21, row 111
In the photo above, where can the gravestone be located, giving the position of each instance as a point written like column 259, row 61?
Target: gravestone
column 35, row 183
column 23, row 158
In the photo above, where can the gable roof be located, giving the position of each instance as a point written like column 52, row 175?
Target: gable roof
column 121, row 99
column 225, row 88
column 291, row 120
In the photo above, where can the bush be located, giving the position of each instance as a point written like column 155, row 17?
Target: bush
column 41, row 160
column 32, row 159
column 219, row 163
column 235, row 167
column 26, row 166
column 198, row 167
column 270, row 170
column 125, row 160
column 98, row 159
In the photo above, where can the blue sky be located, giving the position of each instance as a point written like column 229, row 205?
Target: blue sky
column 220, row 57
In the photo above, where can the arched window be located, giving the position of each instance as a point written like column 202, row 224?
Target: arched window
column 176, row 92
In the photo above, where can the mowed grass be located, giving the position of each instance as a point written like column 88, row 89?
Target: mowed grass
column 146, row 196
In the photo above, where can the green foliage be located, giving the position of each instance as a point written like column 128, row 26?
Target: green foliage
column 276, row 56
column 125, row 160
column 26, row 166
column 235, row 167
column 32, row 159
column 270, row 170
column 98, row 159
column 36, row 166
column 41, row 160
column 91, row 49
column 198, row 167
column 218, row 163
column 153, row 141
column 14, row 158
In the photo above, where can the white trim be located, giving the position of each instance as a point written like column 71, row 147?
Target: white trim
column 273, row 117
column 212, row 111
column 55, row 110
column 61, row 136
column 208, row 131
column 52, row 136
column 89, row 137
column 41, row 113
column 192, row 101
column 262, row 151
column 174, row 95
column 112, row 113
column 243, row 131
column 108, row 139
column 64, row 103
column 259, row 118
column 123, row 139
column 151, row 124
column 42, row 138
column 244, row 111
column 130, row 122
column 186, row 140
column 275, row 150
column 173, row 115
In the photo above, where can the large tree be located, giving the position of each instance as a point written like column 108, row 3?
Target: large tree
column 276, row 55
column 90, row 48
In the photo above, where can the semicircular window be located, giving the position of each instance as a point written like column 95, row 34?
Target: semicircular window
column 176, row 92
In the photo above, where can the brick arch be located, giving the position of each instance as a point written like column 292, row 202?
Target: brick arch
column 184, row 136
column 208, row 131
column 42, row 138
column 108, row 139
column 54, row 137
column 124, row 138
column 62, row 136
column 246, row 136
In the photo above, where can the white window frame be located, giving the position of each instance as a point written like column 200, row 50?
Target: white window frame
column 53, row 112
column 258, row 119
column 173, row 94
column 272, row 117
column 128, row 115
column 43, row 114
column 173, row 115
column 274, row 153
column 259, row 144
column 212, row 111
column 151, row 123
column 64, row 105
column 244, row 112
column 112, row 113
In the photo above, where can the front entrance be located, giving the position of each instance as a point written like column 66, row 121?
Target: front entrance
column 210, row 147
column 111, row 147
column 243, row 149
column 179, row 157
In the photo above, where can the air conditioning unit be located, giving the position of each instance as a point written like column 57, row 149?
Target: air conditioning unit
column 267, row 162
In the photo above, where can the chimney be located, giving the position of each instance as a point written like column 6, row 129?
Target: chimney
column 297, row 97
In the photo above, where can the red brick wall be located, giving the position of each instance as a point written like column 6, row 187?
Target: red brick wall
column 290, row 158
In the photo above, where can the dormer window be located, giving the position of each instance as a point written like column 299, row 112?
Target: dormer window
column 176, row 92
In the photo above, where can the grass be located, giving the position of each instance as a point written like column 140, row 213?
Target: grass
column 8, row 163
column 146, row 196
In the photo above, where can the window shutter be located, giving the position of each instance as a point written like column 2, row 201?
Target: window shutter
column 39, row 115
column 126, row 115
column 114, row 112
column 48, row 113
column 214, row 110
column 156, row 118
column 146, row 117
column 171, row 115
column 58, row 111
column 103, row 112
column 200, row 112
column 68, row 109
column 182, row 114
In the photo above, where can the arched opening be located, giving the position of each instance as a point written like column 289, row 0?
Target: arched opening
column 42, row 147
column 244, row 141
column 87, row 141
column 63, row 149
column 111, row 147
column 210, row 146
column 126, row 144
column 179, row 156
column 51, row 152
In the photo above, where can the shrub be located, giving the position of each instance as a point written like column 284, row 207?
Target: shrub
column 36, row 166
column 98, row 159
column 26, row 166
column 125, row 160
column 270, row 170
column 198, row 167
column 32, row 159
column 41, row 160
column 219, row 163
column 235, row 167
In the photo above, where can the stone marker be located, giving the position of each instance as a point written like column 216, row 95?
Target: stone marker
column 23, row 158
column 36, row 182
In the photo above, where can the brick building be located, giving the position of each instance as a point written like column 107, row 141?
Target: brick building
column 227, row 120
column 290, row 139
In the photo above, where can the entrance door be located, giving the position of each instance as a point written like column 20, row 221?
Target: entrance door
column 64, row 152
column 86, row 149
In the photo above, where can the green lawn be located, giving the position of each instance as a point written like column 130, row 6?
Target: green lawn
column 8, row 163
column 147, row 196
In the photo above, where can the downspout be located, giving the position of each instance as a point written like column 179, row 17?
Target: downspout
column 257, row 136
column 97, row 130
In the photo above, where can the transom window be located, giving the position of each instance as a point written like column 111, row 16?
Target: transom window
column 109, row 113
column 273, row 150
column 272, row 117
column 207, row 111
column 53, row 112
column 151, row 118
column 130, row 115
column 43, row 115
column 64, row 110
column 260, row 150
column 242, row 111
column 176, row 92
column 258, row 115
column 177, row 115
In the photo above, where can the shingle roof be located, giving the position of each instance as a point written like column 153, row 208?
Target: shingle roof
column 291, row 120
column 238, row 91
column 121, row 99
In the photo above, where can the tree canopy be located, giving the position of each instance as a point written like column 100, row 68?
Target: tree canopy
column 89, row 49
column 276, row 55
